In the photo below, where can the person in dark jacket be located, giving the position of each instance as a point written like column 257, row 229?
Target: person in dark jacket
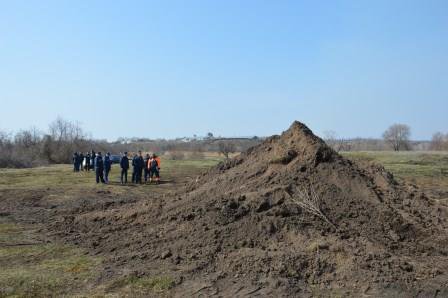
column 78, row 161
column 87, row 165
column 124, row 164
column 134, row 169
column 138, row 167
column 107, row 167
column 92, row 160
column 146, row 166
column 81, row 159
column 75, row 161
column 99, row 168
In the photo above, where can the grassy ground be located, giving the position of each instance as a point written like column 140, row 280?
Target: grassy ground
column 62, row 176
column 429, row 170
column 32, row 267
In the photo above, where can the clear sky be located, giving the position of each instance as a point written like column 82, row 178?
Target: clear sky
column 235, row 68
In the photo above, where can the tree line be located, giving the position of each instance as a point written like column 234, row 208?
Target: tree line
column 396, row 137
column 439, row 141
column 28, row 148
column 32, row 147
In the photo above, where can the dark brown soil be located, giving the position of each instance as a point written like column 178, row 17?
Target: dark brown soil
column 240, row 230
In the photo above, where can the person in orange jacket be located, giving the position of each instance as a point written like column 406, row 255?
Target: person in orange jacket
column 154, row 168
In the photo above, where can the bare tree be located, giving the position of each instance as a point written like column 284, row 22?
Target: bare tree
column 332, row 140
column 335, row 142
column 330, row 137
column 28, row 138
column 397, row 136
column 225, row 148
column 4, row 138
column 439, row 141
column 63, row 130
column 67, row 138
column 47, row 148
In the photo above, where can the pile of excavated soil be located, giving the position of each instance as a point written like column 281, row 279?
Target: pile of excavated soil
column 288, row 217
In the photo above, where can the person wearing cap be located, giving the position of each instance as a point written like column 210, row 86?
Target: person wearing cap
column 154, row 168
column 99, row 168
column 107, row 166
column 124, row 164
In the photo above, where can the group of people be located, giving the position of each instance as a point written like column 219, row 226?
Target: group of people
column 93, row 161
column 83, row 162
column 143, row 167
column 147, row 167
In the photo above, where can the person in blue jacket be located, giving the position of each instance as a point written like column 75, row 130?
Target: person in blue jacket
column 124, row 164
column 138, row 164
column 107, row 166
column 99, row 168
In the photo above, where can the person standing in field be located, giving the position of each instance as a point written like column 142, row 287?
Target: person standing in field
column 139, row 165
column 124, row 164
column 99, row 168
column 78, row 161
column 146, row 166
column 87, row 165
column 81, row 160
column 134, row 168
column 92, row 160
column 154, row 168
column 107, row 167
column 75, row 161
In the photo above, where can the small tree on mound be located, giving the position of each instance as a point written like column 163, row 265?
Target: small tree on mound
column 310, row 202
column 225, row 148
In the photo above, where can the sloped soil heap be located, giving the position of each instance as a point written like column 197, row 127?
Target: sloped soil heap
column 288, row 217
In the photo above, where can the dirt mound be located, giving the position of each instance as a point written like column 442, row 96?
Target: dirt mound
column 289, row 216
column 277, row 176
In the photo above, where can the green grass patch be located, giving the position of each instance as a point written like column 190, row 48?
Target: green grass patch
column 30, row 268
column 8, row 228
column 407, row 164
column 429, row 170
column 63, row 177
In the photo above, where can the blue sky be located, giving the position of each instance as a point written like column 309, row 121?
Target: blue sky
column 235, row 68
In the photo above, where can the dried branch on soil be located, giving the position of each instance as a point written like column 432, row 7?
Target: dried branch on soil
column 311, row 203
